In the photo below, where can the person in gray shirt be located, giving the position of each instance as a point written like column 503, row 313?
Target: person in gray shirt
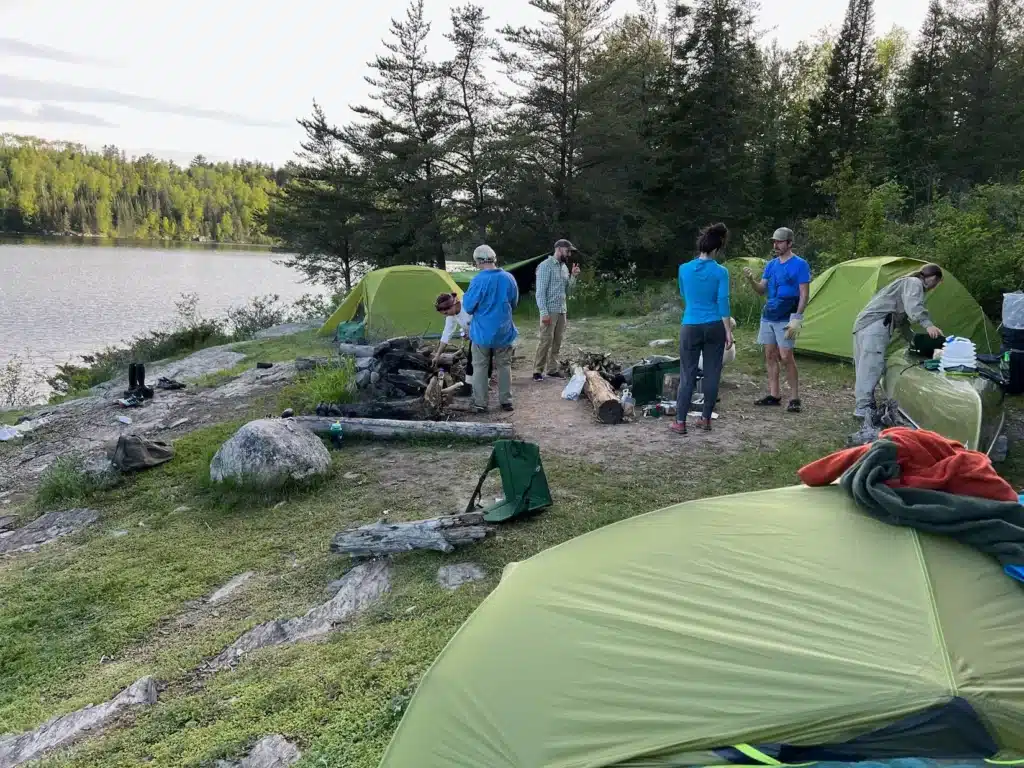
column 892, row 308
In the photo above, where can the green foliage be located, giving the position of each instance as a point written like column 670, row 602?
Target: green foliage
column 60, row 188
column 65, row 483
column 324, row 384
column 18, row 384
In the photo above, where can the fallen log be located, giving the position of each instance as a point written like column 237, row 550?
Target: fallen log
column 390, row 429
column 607, row 407
column 407, row 409
column 441, row 534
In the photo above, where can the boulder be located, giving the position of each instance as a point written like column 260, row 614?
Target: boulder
column 269, row 452
column 46, row 528
column 269, row 752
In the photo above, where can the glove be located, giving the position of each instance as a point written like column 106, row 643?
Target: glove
column 793, row 327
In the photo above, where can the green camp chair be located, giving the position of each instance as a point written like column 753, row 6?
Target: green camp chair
column 522, row 480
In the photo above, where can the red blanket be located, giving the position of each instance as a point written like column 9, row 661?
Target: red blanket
column 927, row 460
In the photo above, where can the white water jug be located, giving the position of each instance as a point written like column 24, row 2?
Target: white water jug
column 958, row 352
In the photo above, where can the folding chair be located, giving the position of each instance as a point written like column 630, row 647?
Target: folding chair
column 522, row 479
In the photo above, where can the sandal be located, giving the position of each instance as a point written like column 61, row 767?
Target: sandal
column 794, row 406
column 769, row 400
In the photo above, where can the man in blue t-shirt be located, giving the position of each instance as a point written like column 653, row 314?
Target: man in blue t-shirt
column 490, row 300
column 786, row 282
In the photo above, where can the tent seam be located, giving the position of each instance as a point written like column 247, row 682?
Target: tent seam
column 946, row 660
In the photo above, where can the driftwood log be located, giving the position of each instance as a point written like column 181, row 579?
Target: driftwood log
column 406, row 409
column 390, row 429
column 607, row 407
column 442, row 534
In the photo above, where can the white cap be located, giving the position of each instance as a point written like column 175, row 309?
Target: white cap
column 484, row 253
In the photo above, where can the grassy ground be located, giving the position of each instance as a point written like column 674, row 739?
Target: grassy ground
column 84, row 618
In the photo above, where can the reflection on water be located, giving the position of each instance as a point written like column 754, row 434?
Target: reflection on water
column 57, row 302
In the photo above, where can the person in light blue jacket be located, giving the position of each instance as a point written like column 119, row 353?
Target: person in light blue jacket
column 491, row 297
column 706, row 328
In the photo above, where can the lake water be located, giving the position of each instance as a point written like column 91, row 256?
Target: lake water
column 60, row 301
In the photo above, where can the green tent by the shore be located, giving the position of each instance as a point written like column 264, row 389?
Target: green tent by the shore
column 839, row 293
column 775, row 627
column 394, row 301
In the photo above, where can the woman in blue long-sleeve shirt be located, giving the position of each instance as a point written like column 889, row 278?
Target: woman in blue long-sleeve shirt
column 704, row 286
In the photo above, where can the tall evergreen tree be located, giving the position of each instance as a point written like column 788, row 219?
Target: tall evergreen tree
column 475, row 151
column 317, row 215
column 402, row 145
column 923, row 113
column 549, row 63
column 709, row 121
column 841, row 119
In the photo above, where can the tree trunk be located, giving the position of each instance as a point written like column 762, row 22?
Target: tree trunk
column 389, row 429
column 408, row 409
column 442, row 534
column 606, row 403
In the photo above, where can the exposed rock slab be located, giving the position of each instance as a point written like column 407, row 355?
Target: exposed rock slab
column 289, row 329
column 7, row 522
column 268, row 452
column 44, row 529
column 269, row 752
column 230, row 588
column 64, row 731
column 451, row 577
column 363, row 586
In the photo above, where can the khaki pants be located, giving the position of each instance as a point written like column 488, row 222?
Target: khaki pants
column 869, row 348
column 502, row 357
column 550, row 345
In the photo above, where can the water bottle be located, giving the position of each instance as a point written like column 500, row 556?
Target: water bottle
column 336, row 434
column 628, row 403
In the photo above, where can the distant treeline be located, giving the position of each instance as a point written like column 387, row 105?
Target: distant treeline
column 59, row 188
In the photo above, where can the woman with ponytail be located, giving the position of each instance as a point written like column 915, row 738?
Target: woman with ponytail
column 706, row 328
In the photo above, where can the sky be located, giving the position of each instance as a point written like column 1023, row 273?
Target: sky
column 227, row 79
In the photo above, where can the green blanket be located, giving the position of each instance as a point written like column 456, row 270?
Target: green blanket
column 994, row 527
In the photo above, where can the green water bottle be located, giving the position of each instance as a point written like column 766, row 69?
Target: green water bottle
column 336, row 434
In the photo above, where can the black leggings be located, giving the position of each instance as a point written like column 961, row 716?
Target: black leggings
column 708, row 338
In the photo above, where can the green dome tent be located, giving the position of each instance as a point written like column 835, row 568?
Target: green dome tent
column 839, row 293
column 395, row 301
column 781, row 626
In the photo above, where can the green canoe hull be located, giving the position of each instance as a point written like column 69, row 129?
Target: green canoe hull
column 968, row 409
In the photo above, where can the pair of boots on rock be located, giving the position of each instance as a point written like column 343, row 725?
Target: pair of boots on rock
column 137, row 383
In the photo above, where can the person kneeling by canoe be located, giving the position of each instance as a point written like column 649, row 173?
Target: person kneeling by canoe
column 891, row 309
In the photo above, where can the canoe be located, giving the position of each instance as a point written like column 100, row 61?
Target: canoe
column 968, row 409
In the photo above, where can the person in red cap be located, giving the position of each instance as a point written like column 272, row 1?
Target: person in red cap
column 554, row 283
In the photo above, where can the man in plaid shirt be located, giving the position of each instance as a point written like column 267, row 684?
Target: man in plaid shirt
column 554, row 282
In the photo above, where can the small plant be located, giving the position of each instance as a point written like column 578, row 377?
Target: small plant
column 65, row 482
column 17, row 384
column 327, row 384
column 261, row 312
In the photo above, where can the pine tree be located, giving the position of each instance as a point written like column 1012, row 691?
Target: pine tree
column 550, row 63
column 401, row 146
column 841, row 119
column 923, row 114
column 709, row 170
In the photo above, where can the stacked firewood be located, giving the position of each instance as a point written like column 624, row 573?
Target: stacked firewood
column 600, row 362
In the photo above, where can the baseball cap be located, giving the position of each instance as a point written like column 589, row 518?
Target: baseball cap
column 565, row 244
column 484, row 253
column 783, row 233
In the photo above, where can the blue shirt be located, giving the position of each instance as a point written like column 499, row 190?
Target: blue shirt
column 704, row 286
column 783, row 290
column 491, row 297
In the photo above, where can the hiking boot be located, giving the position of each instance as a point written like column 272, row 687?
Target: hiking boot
column 679, row 427
column 769, row 400
column 794, row 406
column 704, row 424
column 507, row 407
column 538, row 377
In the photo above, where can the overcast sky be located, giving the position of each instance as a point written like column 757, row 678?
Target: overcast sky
column 228, row 78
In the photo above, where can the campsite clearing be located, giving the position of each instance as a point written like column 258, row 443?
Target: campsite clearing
column 89, row 615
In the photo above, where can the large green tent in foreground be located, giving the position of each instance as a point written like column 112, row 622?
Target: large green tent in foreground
column 730, row 630
column 839, row 294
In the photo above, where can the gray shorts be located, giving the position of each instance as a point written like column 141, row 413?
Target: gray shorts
column 774, row 332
